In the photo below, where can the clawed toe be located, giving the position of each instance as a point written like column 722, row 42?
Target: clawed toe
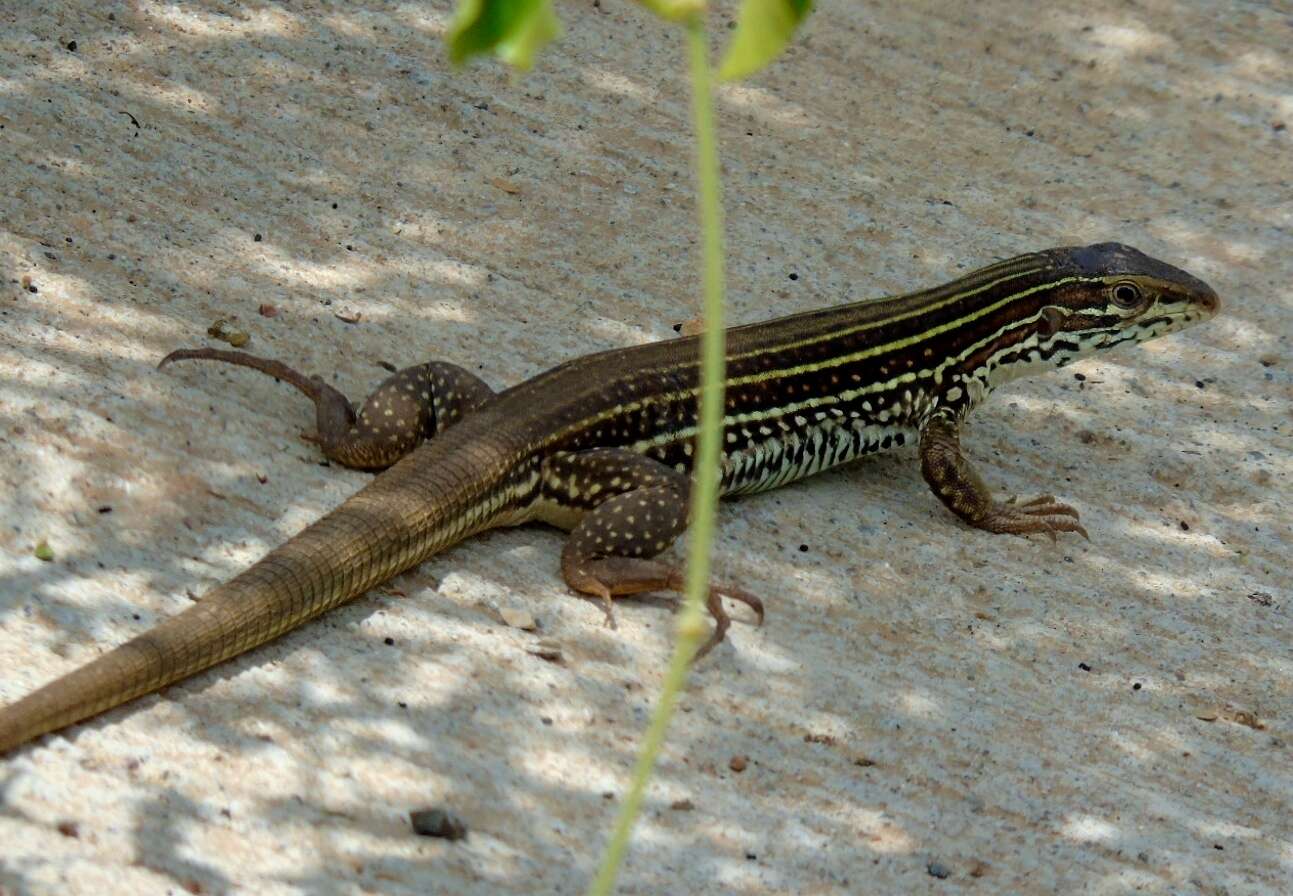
column 602, row 578
column 740, row 595
column 1043, row 514
column 608, row 608
column 723, row 621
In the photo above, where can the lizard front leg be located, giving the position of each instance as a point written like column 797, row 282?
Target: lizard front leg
column 622, row 509
column 410, row 406
column 956, row 484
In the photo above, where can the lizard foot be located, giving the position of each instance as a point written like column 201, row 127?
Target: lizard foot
column 1042, row 514
column 607, row 577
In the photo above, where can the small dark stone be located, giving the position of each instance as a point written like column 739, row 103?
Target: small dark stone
column 437, row 823
column 389, row 642
column 938, row 869
column 803, row 549
column 1185, row 527
column 71, row 45
column 105, row 509
column 32, row 288
column 257, row 238
column 1136, row 686
column 794, row 276
column 1084, row 667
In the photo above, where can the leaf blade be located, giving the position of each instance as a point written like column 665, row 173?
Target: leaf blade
column 513, row 30
column 764, row 27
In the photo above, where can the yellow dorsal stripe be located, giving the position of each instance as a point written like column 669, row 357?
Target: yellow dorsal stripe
column 797, row 369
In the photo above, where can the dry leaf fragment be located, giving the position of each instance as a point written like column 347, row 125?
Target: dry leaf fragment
column 547, row 650
column 521, row 619
column 1244, row 717
column 1228, row 713
column 225, row 331
column 1261, row 598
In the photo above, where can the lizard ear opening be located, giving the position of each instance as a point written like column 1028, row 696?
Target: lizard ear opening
column 1050, row 322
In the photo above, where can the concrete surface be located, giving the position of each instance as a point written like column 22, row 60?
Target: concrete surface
column 925, row 700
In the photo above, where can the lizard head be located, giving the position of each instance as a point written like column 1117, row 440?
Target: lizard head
column 1118, row 294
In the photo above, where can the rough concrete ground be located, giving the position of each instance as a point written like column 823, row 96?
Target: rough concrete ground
column 924, row 700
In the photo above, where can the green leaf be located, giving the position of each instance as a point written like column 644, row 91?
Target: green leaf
column 44, row 551
column 763, row 30
column 676, row 10
column 514, row 30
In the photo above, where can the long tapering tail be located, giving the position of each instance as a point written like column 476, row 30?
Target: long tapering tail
column 430, row 500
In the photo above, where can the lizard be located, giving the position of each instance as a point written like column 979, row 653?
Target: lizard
column 602, row 446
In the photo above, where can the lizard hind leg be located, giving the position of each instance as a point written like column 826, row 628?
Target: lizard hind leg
column 410, row 406
column 614, row 541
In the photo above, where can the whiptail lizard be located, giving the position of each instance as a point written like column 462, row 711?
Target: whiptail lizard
column 603, row 446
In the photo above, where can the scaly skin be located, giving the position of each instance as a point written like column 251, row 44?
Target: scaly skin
column 602, row 446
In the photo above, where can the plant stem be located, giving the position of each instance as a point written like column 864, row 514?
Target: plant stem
column 691, row 623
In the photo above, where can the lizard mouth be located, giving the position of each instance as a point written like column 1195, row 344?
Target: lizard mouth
column 1144, row 328
column 1209, row 304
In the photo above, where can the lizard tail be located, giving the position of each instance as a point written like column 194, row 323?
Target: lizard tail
column 430, row 500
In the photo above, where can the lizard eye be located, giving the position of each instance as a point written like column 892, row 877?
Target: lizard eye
column 1126, row 294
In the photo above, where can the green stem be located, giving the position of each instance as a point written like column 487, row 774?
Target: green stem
column 691, row 623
